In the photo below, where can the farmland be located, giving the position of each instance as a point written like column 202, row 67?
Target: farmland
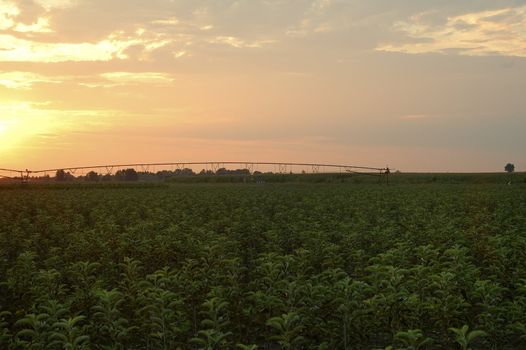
column 426, row 265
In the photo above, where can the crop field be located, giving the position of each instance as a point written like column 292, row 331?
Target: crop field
column 263, row 266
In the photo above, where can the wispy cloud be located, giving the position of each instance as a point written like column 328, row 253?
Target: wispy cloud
column 314, row 20
column 9, row 20
column 24, row 80
column 40, row 26
column 415, row 116
column 56, row 4
column 38, row 36
column 114, row 47
column 240, row 43
column 138, row 78
column 8, row 11
column 499, row 32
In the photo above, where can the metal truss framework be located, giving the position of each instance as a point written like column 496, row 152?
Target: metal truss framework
column 278, row 167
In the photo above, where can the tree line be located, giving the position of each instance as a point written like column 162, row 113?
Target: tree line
column 130, row 174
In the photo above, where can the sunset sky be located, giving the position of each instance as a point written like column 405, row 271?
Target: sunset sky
column 418, row 85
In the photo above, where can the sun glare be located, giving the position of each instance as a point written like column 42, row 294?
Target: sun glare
column 3, row 127
column 20, row 122
column 25, row 125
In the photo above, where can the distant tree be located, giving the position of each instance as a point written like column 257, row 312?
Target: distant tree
column 119, row 175
column 222, row 171
column 62, row 175
column 509, row 168
column 243, row 172
column 206, row 172
column 187, row 172
column 131, row 175
column 127, row 175
column 92, row 176
column 164, row 174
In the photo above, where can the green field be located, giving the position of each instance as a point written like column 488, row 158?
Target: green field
column 351, row 265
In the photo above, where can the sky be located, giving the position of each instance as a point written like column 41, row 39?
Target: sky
column 417, row 85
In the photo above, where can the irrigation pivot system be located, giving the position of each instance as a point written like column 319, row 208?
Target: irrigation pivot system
column 275, row 167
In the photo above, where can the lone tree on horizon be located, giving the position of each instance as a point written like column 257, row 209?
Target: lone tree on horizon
column 509, row 168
